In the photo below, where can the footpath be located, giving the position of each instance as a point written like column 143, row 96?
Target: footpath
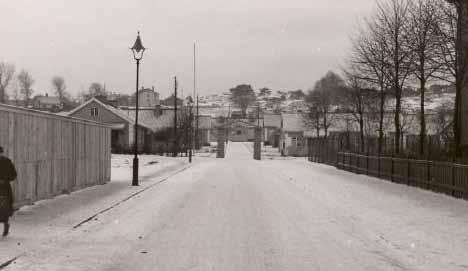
column 47, row 220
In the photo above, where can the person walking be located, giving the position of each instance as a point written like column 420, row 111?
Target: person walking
column 7, row 175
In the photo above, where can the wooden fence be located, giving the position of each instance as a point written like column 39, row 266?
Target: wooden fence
column 53, row 154
column 443, row 177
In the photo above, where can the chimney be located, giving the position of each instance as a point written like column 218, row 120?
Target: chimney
column 152, row 88
column 47, row 95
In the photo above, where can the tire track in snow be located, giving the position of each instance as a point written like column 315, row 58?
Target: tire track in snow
column 7, row 263
column 129, row 197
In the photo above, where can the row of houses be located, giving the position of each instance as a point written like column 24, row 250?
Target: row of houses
column 290, row 133
column 155, row 122
column 285, row 131
column 297, row 132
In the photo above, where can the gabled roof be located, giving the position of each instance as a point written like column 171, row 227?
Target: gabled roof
column 149, row 118
column 293, row 123
column 47, row 100
column 204, row 122
column 272, row 120
column 119, row 113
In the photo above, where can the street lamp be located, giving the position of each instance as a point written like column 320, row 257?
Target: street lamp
column 137, row 51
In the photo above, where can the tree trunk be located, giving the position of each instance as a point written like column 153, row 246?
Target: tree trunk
column 2, row 94
column 325, row 125
column 422, row 131
column 457, row 121
column 361, row 131
column 397, row 121
column 382, row 105
column 461, row 75
column 317, row 125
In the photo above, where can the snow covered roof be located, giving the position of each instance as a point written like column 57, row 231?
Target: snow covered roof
column 205, row 122
column 272, row 120
column 118, row 112
column 293, row 122
column 52, row 100
column 157, row 123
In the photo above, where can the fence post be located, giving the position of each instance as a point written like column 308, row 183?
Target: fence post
column 337, row 159
column 358, row 163
column 378, row 165
column 428, row 175
column 408, row 175
column 453, row 179
column 367, row 164
column 392, row 171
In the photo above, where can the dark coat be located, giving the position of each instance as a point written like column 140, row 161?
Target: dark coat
column 7, row 175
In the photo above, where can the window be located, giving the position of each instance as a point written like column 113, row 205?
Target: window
column 94, row 111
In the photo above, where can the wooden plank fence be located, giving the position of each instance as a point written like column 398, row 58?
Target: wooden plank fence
column 443, row 177
column 53, row 154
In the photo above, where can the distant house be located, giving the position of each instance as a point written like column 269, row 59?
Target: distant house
column 47, row 103
column 241, row 130
column 204, row 130
column 292, row 140
column 122, row 124
column 147, row 97
column 271, row 129
column 169, row 101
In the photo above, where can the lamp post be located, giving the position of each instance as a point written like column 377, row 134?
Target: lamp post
column 137, row 51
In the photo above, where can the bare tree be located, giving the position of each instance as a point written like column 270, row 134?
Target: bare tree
column 423, row 41
column 243, row 96
column 391, row 24
column 368, row 59
column 444, row 121
column 356, row 100
column 6, row 74
column 25, row 82
column 58, row 83
column 312, row 119
column 16, row 92
column 452, row 29
column 321, row 98
column 96, row 89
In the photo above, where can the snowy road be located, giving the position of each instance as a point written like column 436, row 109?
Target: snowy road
column 241, row 214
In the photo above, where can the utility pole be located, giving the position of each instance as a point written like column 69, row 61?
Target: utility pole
column 186, row 127
column 194, row 133
column 190, row 133
column 228, row 127
column 197, row 139
column 258, row 114
column 176, row 146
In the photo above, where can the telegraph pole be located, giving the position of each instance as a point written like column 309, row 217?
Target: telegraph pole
column 190, row 133
column 197, row 139
column 176, row 146
column 258, row 114
column 193, row 97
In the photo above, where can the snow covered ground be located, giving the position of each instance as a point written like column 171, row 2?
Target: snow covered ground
column 48, row 220
column 241, row 214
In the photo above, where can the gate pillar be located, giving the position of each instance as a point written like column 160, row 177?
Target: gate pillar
column 220, row 150
column 258, row 143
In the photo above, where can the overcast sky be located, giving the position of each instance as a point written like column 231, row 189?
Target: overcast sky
column 280, row 44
